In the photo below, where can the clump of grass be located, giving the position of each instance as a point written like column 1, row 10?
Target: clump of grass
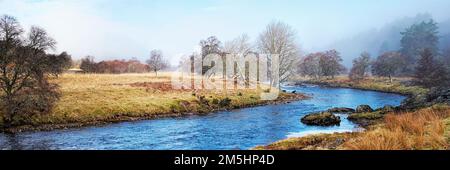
column 225, row 102
column 310, row 142
column 368, row 116
column 423, row 129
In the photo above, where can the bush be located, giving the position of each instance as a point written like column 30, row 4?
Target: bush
column 225, row 102
column 215, row 101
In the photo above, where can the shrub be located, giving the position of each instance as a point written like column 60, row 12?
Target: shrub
column 225, row 102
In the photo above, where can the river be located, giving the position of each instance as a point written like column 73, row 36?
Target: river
column 236, row 129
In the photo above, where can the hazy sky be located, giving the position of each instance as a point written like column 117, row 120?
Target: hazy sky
column 111, row 29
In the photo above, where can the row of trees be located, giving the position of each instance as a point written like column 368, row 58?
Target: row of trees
column 25, row 66
column 155, row 63
column 418, row 57
column 428, row 71
column 277, row 38
column 322, row 64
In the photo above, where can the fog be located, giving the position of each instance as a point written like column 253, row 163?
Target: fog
column 386, row 38
column 122, row 29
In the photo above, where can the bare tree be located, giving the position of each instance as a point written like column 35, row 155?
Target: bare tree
column 239, row 45
column 309, row 66
column 211, row 45
column 24, row 68
column 157, row 61
column 280, row 39
column 361, row 66
column 388, row 64
column 330, row 63
column 320, row 64
column 88, row 65
column 236, row 47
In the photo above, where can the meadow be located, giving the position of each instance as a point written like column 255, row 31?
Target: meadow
column 89, row 99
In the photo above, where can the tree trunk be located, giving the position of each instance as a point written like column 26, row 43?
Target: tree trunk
column 6, row 121
column 7, row 116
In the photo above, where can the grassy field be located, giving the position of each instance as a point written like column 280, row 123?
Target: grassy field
column 372, row 83
column 97, row 98
column 424, row 129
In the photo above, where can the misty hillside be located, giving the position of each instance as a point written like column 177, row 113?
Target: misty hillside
column 387, row 38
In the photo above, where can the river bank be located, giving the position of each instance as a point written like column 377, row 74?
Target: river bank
column 234, row 129
column 398, row 85
column 424, row 129
column 404, row 127
column 98, row 99
column 283, row 98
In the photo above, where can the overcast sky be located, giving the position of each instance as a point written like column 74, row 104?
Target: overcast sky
column 112, row 29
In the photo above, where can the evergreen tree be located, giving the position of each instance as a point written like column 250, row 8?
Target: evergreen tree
column 428, row 72
column 415, row 39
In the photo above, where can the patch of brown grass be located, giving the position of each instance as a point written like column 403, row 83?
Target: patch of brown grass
column 310, row 142
column 422, row 129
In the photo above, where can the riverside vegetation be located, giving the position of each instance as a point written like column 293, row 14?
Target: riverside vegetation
column 89, row 99
column 409, row 126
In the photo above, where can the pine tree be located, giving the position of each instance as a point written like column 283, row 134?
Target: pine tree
column 428, row 72
column 417, row 38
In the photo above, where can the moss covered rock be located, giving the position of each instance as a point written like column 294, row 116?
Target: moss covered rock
column 341, row 110
column 363, row 109
column 321, row 119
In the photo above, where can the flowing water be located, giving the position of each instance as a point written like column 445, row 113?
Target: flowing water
column 236, row 129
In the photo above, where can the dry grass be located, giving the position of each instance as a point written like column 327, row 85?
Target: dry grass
column 423, row 129
column 375, row 83
column 310, row 142
column 107, row 97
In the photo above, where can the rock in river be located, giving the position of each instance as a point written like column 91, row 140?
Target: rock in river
column 363, row 109
column 321, row 119
column 341, row 110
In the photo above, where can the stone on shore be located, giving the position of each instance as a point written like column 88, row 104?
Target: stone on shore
column 341, row 110
column 363, row 109
column 321, row 119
